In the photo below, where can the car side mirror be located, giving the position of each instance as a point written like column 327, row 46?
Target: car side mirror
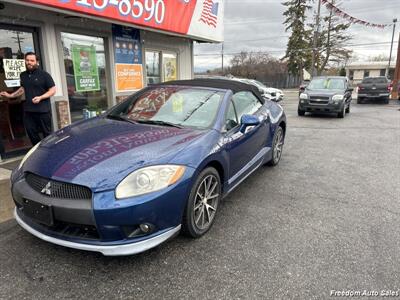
column 248, row 121
column 350, row 89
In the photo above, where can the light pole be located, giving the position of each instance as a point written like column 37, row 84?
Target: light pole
column 316, row 31
column 391, row 46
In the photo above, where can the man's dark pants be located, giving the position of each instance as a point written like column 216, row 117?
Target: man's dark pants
column 36, row 123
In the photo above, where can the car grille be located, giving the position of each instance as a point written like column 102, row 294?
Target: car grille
column 319, row 97
column 319, row 102
column 57, row 189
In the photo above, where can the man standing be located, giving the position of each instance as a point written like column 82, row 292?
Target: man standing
column 38, row 87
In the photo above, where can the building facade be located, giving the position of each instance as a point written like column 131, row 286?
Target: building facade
column 98, row 52
column 357, row 71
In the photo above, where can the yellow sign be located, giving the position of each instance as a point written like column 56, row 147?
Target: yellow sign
column 128, row 77
column 177, row 103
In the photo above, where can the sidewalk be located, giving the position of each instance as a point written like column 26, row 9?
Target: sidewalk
column 6, row 203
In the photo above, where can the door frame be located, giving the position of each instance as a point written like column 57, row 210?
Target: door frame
column 35, row 30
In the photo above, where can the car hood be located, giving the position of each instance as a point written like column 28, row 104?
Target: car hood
column 99, row 152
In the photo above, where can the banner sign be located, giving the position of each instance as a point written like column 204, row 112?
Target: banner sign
column 127, row 46
column 85, row 68
column 127, row 58
column 129, row 77
column 13, row 68
column 202, row 19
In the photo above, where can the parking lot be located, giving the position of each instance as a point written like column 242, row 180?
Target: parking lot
column 327, row 218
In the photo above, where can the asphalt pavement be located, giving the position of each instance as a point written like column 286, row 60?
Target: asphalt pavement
column 325, row 220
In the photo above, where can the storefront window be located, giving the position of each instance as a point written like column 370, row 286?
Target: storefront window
column 14, row 43
column 153, row 70
column 85, row 69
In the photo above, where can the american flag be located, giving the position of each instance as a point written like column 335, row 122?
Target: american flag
column 209, row 14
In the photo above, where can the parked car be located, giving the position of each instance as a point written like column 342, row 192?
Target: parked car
column 161, row 161
column 330, row 94
column 374, row 88
column 268, row 93
column 303, row 85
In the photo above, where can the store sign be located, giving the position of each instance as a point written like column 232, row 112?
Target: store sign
column 13, row 68
column 85, row 68
column 195, row 18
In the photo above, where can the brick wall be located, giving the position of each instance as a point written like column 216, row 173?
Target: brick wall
column 62, row 109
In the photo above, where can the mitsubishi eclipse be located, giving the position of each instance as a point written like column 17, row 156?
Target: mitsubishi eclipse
column 154, row 165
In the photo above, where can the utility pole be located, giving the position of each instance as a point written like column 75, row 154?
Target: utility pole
column 222, row 58
column 391, row 47
column 316, row 31
column 396, row 77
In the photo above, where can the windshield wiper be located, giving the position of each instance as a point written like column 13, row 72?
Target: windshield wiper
column 120, row 118
column 159, row 122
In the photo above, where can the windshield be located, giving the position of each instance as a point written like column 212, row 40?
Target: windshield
column 181, row 106
column 327, row 84
column 375, row 80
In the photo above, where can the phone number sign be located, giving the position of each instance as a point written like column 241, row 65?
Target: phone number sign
column 167, row 15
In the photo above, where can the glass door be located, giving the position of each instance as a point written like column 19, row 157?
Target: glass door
column 14, row 43
column 86, row 76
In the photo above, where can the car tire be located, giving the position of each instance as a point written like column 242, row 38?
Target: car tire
column 342, row 113
column 386, row 100
column 199, row 215
column 277, row 147
column 301, row 112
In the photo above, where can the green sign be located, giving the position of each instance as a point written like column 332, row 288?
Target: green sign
column 85, row 68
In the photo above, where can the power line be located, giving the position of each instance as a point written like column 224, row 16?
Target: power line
column 305, row 49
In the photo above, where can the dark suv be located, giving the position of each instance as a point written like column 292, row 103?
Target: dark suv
column 331, row 94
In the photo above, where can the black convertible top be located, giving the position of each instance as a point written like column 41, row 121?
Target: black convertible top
column 226, row 84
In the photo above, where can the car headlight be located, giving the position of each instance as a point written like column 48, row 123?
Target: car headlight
column 303, row 96
column 30, row 152
column 337, row 98
column 148, row 179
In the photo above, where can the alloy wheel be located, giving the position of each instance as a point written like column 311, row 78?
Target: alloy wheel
column 206, row 202
column 278, row 145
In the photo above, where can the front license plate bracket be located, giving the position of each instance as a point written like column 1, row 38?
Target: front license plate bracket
column 41, row 213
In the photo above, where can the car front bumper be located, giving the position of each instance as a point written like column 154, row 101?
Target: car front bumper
column 107, row 250
column 103, row 223
column 328, row 108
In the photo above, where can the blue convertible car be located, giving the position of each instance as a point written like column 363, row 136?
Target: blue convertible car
column 154, row 165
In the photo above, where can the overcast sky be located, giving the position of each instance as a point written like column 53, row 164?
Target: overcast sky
column 256, row 25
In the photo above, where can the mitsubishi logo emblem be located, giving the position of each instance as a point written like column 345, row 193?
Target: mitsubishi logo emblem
column 47, row 189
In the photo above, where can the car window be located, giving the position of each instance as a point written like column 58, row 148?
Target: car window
column 327, row 84
column 245, row 103
column 231, row 120
column 375, row 80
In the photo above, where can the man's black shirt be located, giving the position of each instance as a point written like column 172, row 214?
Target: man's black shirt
column 36, row 83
